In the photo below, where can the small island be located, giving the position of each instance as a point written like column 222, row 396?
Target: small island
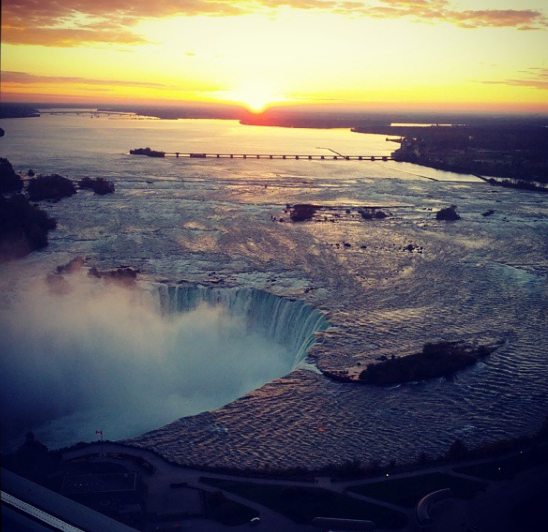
column 99, row 185
column 50, row 187
column 440, row 359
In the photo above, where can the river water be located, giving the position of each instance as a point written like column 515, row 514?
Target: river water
column 223, row 223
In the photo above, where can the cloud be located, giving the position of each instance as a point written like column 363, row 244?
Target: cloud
column 67, row 37
column 24, row 78
column 536, row 78
column 524, row 19
column 440, row 11
column 13, row 81
column 73, row 22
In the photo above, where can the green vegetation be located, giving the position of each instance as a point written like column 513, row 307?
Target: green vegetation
column 223, row 510
column 9, row 180
column 531, row 514
column 23, row 227
column 50, row 187
column 17, row 110
column 302, row 504
column 410, row 490
column 517, row 153
column 508, row 468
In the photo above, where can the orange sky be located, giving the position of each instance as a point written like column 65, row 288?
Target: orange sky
column 422, row 54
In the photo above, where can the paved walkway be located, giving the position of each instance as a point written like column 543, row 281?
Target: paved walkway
column 487, row 512
column 165, row 474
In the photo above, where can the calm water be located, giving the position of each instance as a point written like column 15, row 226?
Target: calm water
column 81, row 145
column 216, row 222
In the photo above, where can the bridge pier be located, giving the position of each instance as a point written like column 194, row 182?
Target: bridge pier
column 297, row 157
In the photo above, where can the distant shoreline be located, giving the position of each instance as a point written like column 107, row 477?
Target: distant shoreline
column 512, row 147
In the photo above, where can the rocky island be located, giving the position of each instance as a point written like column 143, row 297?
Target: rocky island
column 439, row 359
column 50, row 187
column 99, row 185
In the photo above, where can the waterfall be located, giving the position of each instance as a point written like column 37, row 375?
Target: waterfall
column 291, row 323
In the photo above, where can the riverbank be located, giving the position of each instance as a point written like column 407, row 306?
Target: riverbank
column 518, row 154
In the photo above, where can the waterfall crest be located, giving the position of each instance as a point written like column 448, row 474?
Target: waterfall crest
column 291, row 323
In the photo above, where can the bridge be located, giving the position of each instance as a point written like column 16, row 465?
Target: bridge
column 294, row 156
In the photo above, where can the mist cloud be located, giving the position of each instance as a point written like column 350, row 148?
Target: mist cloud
column 103, row 357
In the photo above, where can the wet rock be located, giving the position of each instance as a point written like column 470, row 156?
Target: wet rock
column 9, row 180
column 488, row 213
column 123, row 275
column 50, row 187
column 448, row 214
column 372, row 213
column 302, row 212
column 99, row 185
column 57, row 284
column 30, row 172
column 23, row 227
column 347, row 244
column 72, row 266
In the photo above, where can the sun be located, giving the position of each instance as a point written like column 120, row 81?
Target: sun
column 256, row 96
column 257, row 103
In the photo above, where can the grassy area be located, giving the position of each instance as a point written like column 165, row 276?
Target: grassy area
column 229, row 513
column 507, row 468
column 531, row 514
column 408, row 491
column 302, row 504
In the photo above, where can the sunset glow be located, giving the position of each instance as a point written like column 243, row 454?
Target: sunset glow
column 433, row 54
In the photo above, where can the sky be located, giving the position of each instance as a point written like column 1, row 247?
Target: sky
column 442, row 55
